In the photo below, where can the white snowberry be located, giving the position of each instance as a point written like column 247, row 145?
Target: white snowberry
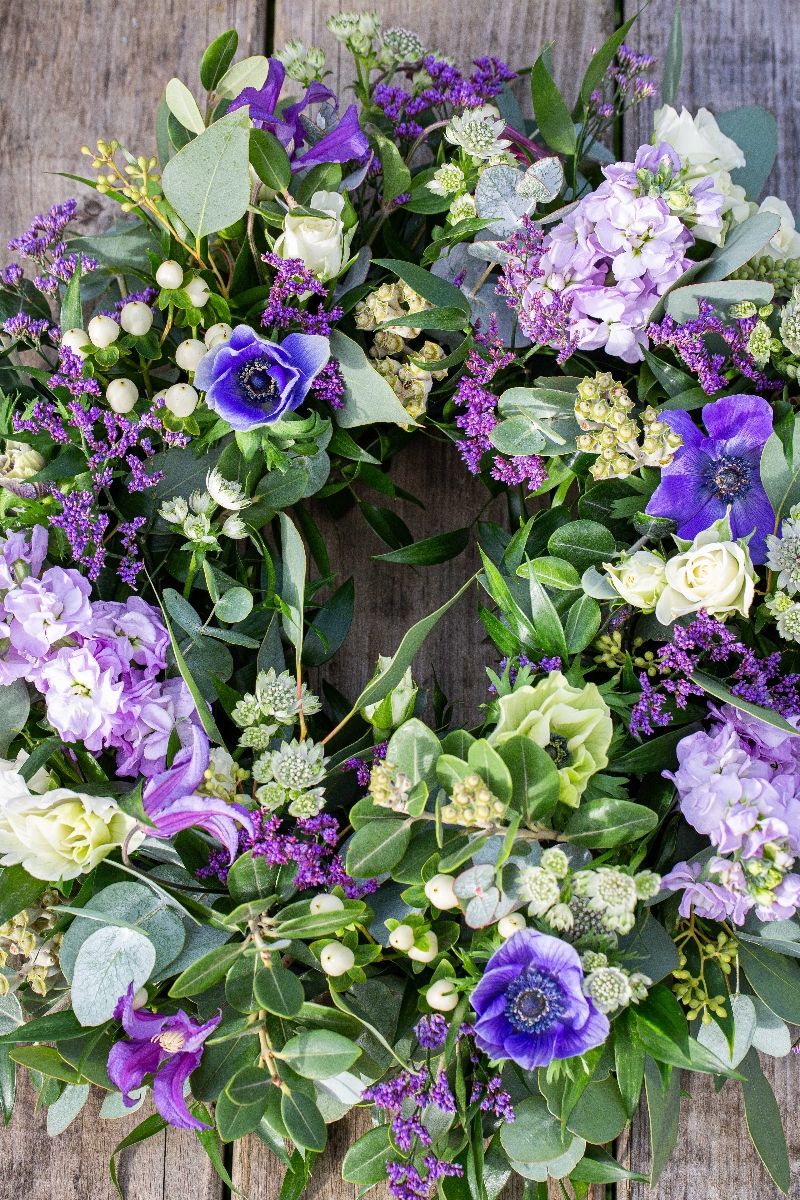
column 197, row 291
column 442, row 995
column 336, row 959
column 121, row 395
column 402, row 938
column 512, row 924
column 169, row 275
column 325, row 903
column 189, row 353
column 440, row 892
column 426, row 956
column 103, row 331
column 181, row 399
column 215, row 334
column 76, row 340
column 136, row 318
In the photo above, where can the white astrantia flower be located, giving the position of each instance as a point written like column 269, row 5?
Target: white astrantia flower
column 787, row 616
column 202, row 503
column 174, row 511
column 226, row 492
column 277, row 696
column 611, row 893
column 478, row 131
column 248, row 712
column 608, row 988
column 540, row 888
column 463, row 208
column 404, row 45
column 308, row 804
column 297, row 765
column 271, row 796
column 197, row 528
column 560, row 917
column 256, row 737
column 555, row 861
column 783, row 553
column 234, row 527
column 447, row 180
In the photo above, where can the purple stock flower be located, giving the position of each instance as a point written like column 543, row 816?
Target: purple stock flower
column 344, row 142
column 530, row 1003
column 169, row 799
column 82, row 698
column 251, row 382
column 176, row 1041
column 45, row 610
column 712, row 473
column 21, row 555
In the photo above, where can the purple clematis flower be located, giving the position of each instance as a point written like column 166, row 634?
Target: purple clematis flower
column 250, row 381
column 343, row 143
column 712, row 473
column 170, row 803
column 176, row 1041
column 530, row 1005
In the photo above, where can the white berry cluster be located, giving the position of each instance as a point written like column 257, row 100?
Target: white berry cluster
column 389, row 787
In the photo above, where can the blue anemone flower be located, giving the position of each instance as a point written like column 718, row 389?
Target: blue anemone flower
column 250, row 381
column 530, row 1003
column 713, row 473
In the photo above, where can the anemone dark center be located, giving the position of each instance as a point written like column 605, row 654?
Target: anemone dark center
column 258, row 385
column 534, row 1001
column 558, row 750
column 730, row 478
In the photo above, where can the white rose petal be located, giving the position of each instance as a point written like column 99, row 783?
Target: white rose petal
column 712, row 574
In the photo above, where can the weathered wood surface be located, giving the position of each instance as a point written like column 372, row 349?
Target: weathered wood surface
column 88, row 68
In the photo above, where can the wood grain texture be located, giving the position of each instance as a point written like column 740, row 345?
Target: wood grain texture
column 74, row 1165
column 715, row 1158
column 95, row 68
column 735, row 53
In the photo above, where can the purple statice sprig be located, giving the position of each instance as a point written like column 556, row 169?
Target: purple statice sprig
column 72, row 375
column 448, row 89
column 411, row 1088
column 687, row 341
column 480, row 416
column 519, row 669
column 623, row 85
column 758, row 680
column 431, row 1031
column 292, row 281
column 545, row 316
column 359, row 765
column 27, row 328
column 406, row 1183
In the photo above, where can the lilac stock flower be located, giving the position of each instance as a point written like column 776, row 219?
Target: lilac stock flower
column 530, row 1003
column 711, row 473
column 45, row 610
column 21, row 555
column 81, row 697
column 176, row 1041
column 170, row 801
column 343, row 143
column 251, row 382
column 149, row 714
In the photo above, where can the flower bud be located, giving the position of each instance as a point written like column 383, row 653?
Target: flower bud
column 197, row 291
column 103, row 331
column 169, row 275
column 336, row 959
column 121, row 395
column 140, row 999
column 76, row 340
column 181, row 399
column 507, row 926
column 440, row 892
column 136, row 318
column 402, row 938
column 426, row 956
column 217, row 333
column 442, row 995
column 325, row 903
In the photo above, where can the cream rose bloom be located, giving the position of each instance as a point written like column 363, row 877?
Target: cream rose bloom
column 640, row 579
column 786, row 243
column 39, row 782
column 713, row 574
column 704, row 150
column 320, row 241
column 572, row 724
column 61, row 834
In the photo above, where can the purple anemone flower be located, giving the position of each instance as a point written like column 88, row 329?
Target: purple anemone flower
column 169, row 799
column 176, row 1041
column 710, row 474
column 530, row 1005
column 252, row 382
column 343, row 143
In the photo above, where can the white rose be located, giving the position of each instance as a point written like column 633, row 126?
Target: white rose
column 61, row 834
column 704, row 150
column 320, row 241
column 39, row 782
column 786, row 243
column 639, row 579
column 712, row 574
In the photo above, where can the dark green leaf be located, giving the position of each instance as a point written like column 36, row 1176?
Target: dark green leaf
column 583, row 543
column 720, row 692
column 148, row 1128
column 609, row 822
column 303, row 1121
column 774, row 978
column 438, row 549
column 396, row 175
column 389, row 527
column 18, row 889
column 673, row 59
column 764, row 1121
column 251, row 878
column 534, row 776
column 436, row 291
column 206, row 971
column 629, row 1056
column 365, row 1161
column 377, row 847
column 320, row 1054
column 655, row 755
column 431, row 318
column 235, row 1121
column 217, row 58
column 278, row 991
column 269, row 160
column 251, row 1085
column 583, row 623
column 552, row 115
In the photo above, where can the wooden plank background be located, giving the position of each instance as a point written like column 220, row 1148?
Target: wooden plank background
column 79, row 69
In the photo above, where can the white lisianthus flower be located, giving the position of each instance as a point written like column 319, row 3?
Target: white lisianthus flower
column 320, row 241
column 786, row 242
column 639, row 579
column 713, row 574
column 39, row 782
column 61, row 834
column 704, row 150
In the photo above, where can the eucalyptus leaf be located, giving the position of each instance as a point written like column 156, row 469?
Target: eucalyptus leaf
column 367, row 395
column 208, row 181
column 742, row 243
column 182, row 104
column 109, row 962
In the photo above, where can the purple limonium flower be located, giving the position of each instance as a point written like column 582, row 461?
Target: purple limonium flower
column 251, row 382
column 343, row 143
column 431, row 1031
column 169, row 799
column 176, row 1041
column 530, row 1003
column 717, row 471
